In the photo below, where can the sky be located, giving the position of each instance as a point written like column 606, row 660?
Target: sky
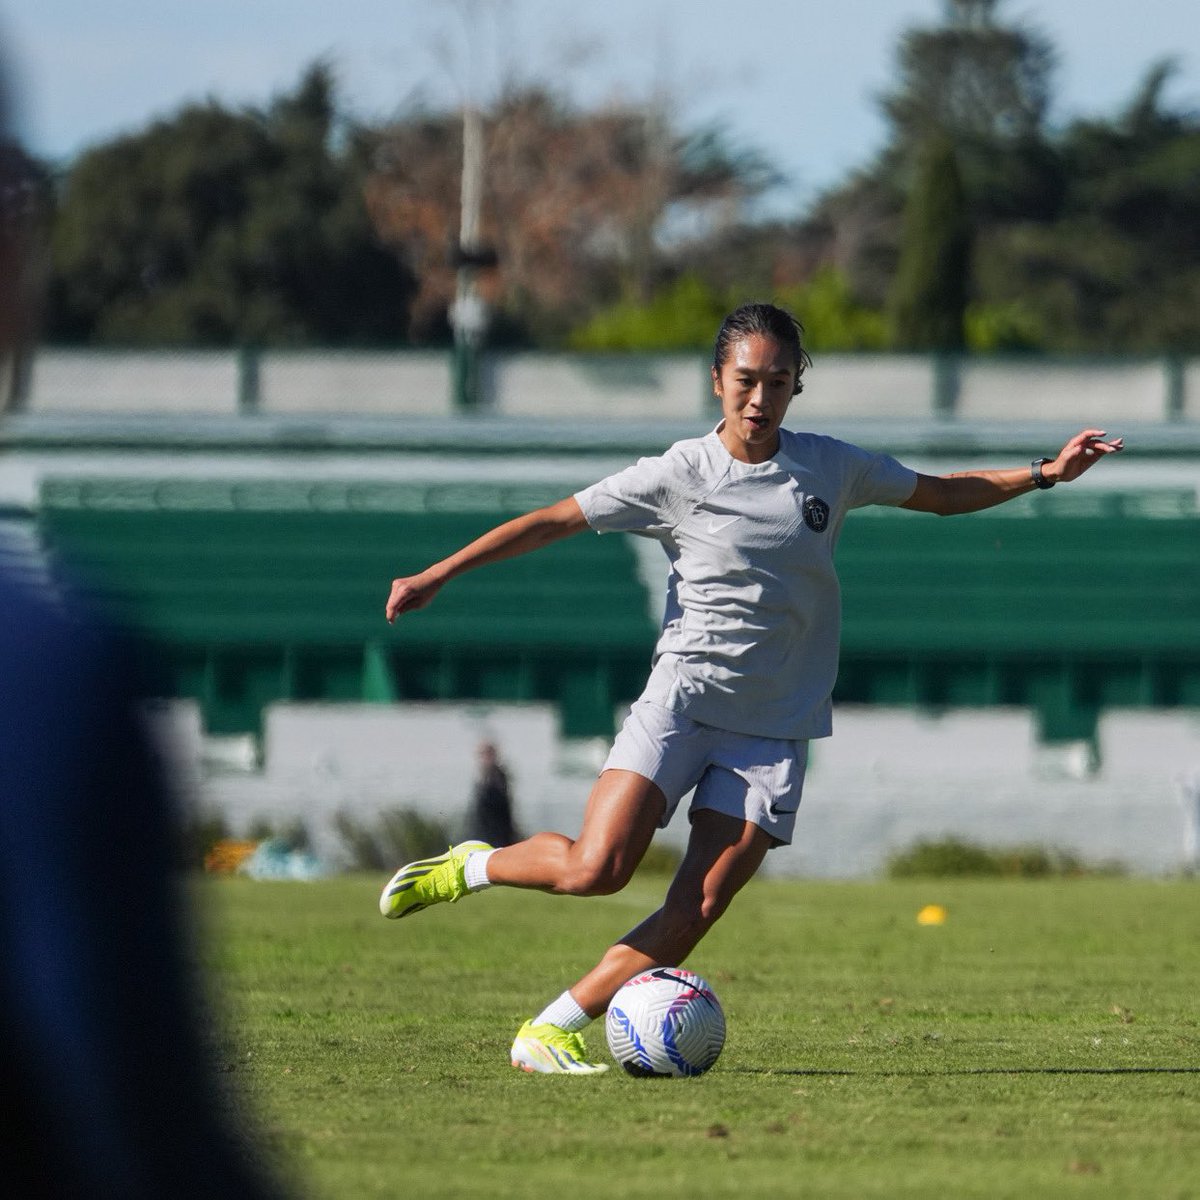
column 796, row 80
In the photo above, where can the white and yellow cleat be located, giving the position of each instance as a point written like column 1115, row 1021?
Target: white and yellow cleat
column 549, row 1050
column 428, row 881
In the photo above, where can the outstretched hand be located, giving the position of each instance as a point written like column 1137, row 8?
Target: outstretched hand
column 1084, row 450
column 409, row 594
column 518, row 536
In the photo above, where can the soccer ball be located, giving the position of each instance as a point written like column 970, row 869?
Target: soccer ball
column 665, row 1022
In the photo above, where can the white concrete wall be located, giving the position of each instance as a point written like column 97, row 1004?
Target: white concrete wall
column 617, row 387
column 1191, row 391
column 887, row 778
column 868, row 385
column 361, row 382
column 1088, row 393
column 565, row 387
column 95, row 381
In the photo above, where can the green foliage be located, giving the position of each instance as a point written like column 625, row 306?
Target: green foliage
column 217, row 228
column 929, row 294
column 833, row 319
column 1117, row 267
column 686, row 314
column 1086, row 239
column 683, row 316
column 1042, row 1042
column 991, row 328
column 394, row 837
column 975, row 226
column 951, row 858
column 971, row 77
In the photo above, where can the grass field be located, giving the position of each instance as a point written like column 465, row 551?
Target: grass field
column 1044, row 1041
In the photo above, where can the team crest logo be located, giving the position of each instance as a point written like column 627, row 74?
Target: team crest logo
column 816, row 514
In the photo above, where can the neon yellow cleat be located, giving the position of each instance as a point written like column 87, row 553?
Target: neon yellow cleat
column 428, row 881
column 552, row 1051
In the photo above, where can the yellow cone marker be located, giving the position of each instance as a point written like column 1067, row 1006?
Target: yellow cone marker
column 932, row 914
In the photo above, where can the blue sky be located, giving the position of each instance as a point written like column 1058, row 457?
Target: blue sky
column 796, row 79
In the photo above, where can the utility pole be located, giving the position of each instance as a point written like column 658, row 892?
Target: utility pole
column 469, row 313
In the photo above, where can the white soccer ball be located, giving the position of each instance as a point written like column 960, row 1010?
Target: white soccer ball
column 665, row 1022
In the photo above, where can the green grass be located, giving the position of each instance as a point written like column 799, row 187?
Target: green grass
column 1044, row 1041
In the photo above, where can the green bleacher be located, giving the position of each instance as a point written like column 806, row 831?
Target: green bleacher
column 252, row 593
column 1067, row 613
column 249, row 605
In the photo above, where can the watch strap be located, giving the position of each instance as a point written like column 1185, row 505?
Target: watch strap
column 1039, row 480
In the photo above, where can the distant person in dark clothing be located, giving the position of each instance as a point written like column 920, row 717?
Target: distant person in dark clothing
column 491, row 805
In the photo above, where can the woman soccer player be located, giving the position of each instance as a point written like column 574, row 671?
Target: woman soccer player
column 744, row 667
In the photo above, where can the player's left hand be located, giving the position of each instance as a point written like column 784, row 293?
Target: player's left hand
column 1084, row 450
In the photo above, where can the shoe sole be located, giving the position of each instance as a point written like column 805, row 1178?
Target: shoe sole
column 535, row 1064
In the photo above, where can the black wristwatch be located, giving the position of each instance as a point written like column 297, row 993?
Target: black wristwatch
column 1039, row 480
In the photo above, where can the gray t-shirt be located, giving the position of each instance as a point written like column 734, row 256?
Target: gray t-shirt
column 750, row 631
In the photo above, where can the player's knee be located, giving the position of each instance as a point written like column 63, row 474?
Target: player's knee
column 595, row 875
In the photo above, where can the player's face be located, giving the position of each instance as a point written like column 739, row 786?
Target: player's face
column 755, row 387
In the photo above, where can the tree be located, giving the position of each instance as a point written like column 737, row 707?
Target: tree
column 1117, row 267
column 684, row 315
column 929, row 294
column 973, row 79
column 215, row 228
column 575, row 204
column 984, row 87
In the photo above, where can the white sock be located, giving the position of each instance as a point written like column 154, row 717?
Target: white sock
column 564, row 1013
column 475, row 870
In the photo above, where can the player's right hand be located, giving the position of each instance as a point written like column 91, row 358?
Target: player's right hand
column 409, row 594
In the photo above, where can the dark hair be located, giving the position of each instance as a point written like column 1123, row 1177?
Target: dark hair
column 764, row 320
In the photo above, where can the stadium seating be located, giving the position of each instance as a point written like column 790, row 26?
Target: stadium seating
column 248, row 605
column 1087, row 603
column 258, row 592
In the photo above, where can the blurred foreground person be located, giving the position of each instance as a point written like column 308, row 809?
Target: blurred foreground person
column 106, row 1086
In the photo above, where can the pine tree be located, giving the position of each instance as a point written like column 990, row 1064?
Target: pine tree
column 929, row 292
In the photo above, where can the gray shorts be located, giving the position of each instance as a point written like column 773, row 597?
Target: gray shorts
column 756, row 779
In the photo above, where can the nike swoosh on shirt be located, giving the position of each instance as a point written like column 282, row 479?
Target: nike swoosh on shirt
column 717, row 526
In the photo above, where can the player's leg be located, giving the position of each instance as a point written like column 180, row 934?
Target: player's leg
column 658, row 756
column 745, row 803
column 723, row 854
column 622, row 813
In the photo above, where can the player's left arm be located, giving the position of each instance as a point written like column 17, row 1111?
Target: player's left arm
column 971, row 491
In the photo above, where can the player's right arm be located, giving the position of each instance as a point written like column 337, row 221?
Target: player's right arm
column 518, row 536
